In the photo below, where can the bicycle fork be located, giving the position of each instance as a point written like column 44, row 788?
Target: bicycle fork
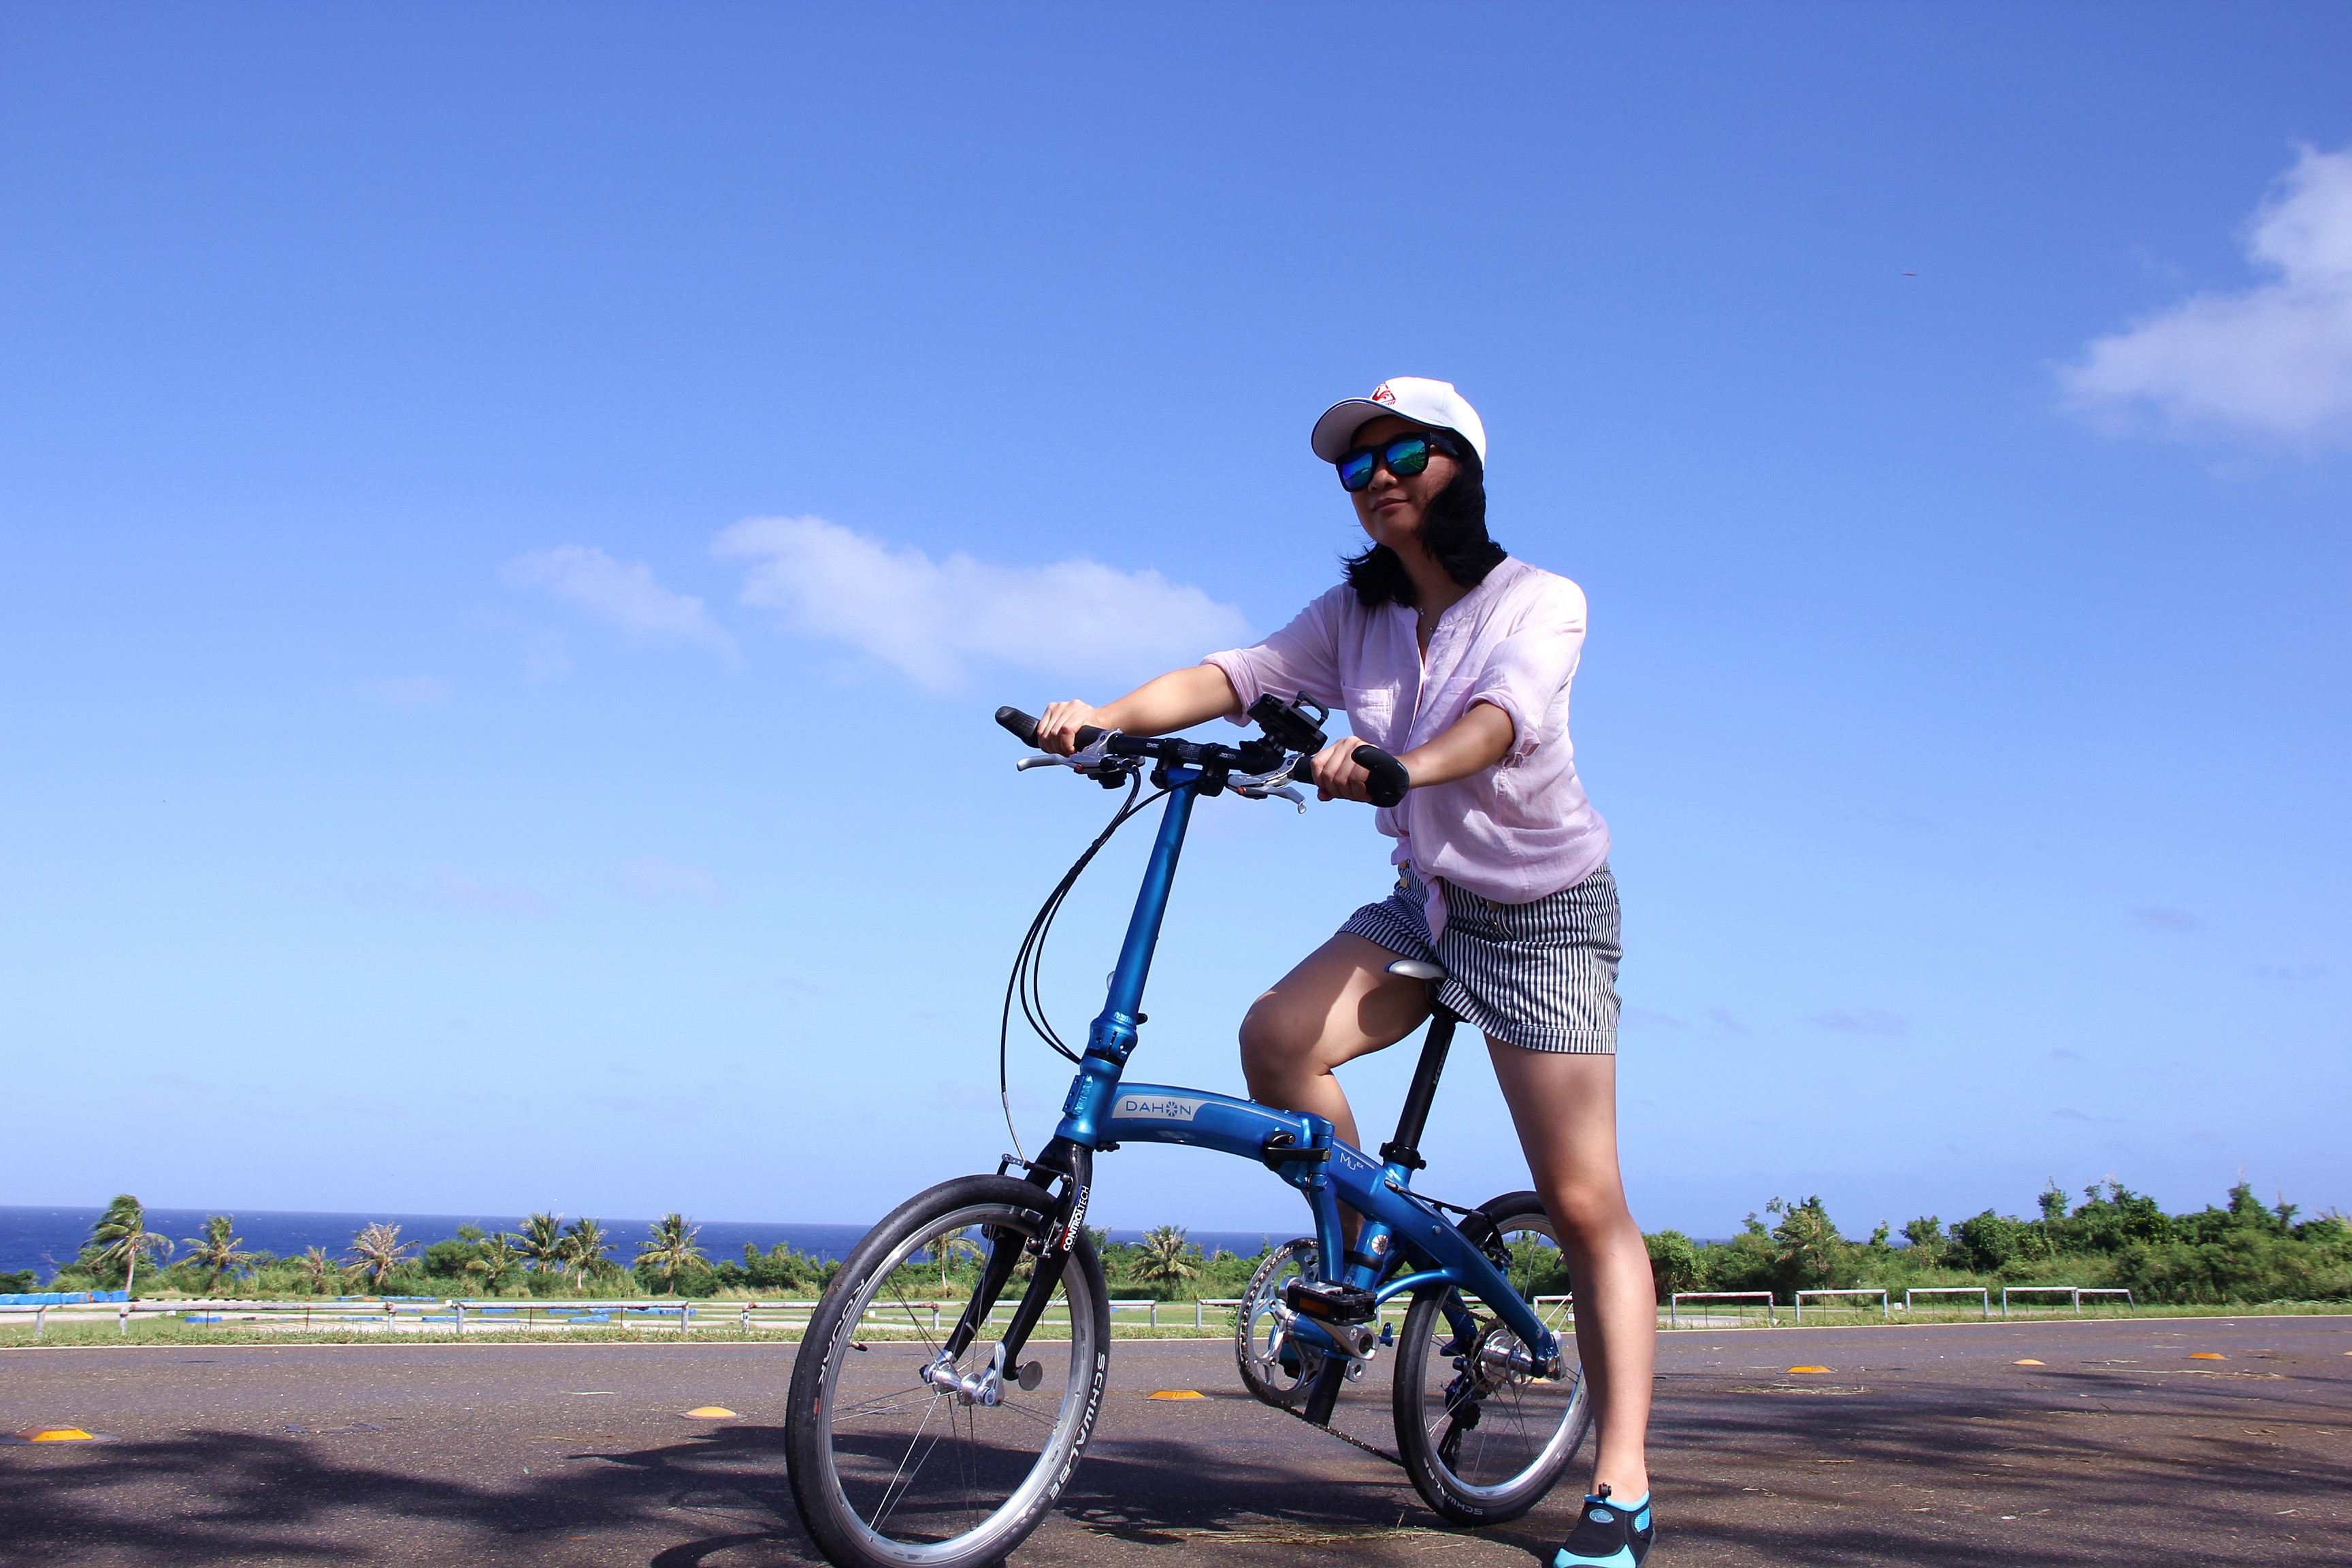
column 1071, row 1164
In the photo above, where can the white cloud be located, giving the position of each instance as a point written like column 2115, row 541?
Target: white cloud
column 937, row 621
column 621, row 592
column 655, row 880
column 2275, row 360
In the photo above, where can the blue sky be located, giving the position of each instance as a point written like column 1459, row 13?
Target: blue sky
column 516, row 519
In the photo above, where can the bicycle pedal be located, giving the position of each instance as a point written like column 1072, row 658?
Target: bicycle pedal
column 1329, row 1302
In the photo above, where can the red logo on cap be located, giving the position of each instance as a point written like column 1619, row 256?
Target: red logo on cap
column 1384, row 395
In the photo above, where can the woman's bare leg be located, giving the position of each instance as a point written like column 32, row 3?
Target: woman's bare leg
column 1339, row 1003
column 1565, row 1106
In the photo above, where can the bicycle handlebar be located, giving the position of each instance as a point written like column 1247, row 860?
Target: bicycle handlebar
column 1386, row 787
column 1025, row 728
column 1388, row 781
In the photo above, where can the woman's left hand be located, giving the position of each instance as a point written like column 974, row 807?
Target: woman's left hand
column 1476, row 741
column 1337, row 774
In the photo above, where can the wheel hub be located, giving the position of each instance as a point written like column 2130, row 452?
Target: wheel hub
column 1499, row 1361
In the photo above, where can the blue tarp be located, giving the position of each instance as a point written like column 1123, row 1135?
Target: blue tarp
column 60, row 1298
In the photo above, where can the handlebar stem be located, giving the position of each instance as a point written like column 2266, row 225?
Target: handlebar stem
column 1110, row 1039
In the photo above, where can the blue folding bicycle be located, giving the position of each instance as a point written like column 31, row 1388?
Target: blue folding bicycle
column 914, row 1446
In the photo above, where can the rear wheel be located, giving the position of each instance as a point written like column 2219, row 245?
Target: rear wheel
column 1483, row 1434
column 891, row 1469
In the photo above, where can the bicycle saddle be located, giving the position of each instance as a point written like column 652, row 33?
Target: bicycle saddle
column 1414, row 969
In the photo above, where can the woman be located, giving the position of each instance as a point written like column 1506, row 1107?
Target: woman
column 1456, row 660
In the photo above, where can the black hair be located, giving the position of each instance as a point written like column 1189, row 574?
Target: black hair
column 1454, row 532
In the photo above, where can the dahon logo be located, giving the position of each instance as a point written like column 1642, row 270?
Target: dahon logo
column 1158, row 1107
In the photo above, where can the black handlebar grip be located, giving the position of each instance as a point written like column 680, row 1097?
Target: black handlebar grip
column 1388, row 781
column 1024, row 726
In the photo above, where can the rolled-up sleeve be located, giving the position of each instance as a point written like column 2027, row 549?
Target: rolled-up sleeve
column 1526, row 672
column 1301, row 657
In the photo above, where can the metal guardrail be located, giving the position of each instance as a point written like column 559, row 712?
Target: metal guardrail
column 2073, row 1293
column 1675, row 1303
column 1886, row 1308
column 1983, row 1296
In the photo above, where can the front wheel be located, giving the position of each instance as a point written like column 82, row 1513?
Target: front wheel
column 890, row 1470
column 1484, row 1436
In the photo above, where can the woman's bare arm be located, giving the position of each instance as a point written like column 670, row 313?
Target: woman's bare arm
column 1177, row 700
column 1474, row 743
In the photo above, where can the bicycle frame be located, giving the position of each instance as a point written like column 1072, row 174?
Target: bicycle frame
column 1101, row 1111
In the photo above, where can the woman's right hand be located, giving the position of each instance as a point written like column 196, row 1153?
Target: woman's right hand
column 1057, row 732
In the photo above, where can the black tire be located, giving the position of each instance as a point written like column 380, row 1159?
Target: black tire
column 1482, row 1435
column 891, row 1471
column 1257, row 1346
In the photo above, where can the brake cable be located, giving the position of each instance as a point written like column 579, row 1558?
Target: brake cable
column 1026, row 983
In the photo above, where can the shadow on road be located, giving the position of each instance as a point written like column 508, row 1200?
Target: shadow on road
column 1931, row 1465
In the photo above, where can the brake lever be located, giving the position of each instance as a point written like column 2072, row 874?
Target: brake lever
column 1085, row 761
column 1260, row 786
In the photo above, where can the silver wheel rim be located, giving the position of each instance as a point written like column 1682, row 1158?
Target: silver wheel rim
column 1526, row 1425
column 904, row 1475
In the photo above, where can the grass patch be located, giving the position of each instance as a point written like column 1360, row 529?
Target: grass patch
column 158, row 1330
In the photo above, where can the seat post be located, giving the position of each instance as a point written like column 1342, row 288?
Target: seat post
column 1404, row 1148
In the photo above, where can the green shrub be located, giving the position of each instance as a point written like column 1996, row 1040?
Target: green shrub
column 2242, row 1253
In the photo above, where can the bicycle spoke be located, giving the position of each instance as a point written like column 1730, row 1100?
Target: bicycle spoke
column 1039, row 1416
column 892, row 1469
column 913, row 1321
column 876, row 1406
column 890, row 1496
column 1487, row 1436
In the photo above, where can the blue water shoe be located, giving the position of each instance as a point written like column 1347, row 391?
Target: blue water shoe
column 1610, row 1535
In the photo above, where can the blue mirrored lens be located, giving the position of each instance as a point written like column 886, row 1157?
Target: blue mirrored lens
column 1407, row 455
column 1356, row 470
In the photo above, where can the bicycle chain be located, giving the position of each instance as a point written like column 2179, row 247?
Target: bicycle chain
column 1344, row 1438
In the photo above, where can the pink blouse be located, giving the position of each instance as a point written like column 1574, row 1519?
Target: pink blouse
column 1513, row 833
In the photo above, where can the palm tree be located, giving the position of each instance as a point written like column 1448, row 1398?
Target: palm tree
column 319, row 1272
column 1166, row 1255
column 672, row 1250
column 584, row 1248
column 946, row 1248
column 216, row 1252
column 542, row 1241
column 377, row 1251
column 122, row 1237
column 495, row 1261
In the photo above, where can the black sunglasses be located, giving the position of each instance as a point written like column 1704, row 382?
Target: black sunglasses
column 1405, row 455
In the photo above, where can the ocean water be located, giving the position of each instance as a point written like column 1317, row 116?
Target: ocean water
column 45, row 1239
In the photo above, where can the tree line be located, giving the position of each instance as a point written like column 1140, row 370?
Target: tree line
column 547, row 1257
column 2242, row 1252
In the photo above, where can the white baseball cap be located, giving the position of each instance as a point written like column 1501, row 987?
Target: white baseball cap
column 1417, row 398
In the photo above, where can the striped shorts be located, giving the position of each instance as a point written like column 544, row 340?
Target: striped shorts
column 1542, row 974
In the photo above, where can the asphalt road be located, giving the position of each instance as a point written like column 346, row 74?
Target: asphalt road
column 1919, row 1445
